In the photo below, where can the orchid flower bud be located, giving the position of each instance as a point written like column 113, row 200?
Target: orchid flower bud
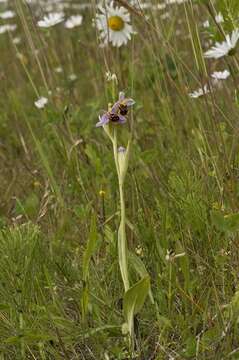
column 123, row 161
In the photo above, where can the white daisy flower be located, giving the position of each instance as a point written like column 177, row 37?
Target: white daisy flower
column 72, row 77
column 160, row 7
column 41, row 102
column 7, row 27
column 206, row 24
column 58, row 69
column 200, row 92
column 73, row 21
column 170, row 2
column 113, row 25
column 140, row 4
column 165, row 15
column 219, row 18
column 7, row 14
column 220, row 75
column 16, row 40
column 227, row 47
column 51, row 20
column 83, row 6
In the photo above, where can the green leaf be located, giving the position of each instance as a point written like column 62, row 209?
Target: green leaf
column 210, row 336
column 90, row 248
column 31, row 204
column 122, row 253
column 222, row 222
column 89, row 251
column 184, row 264
column 191, row 346
column 94, row 158
column 30, row 337
column 134, row 300
column 218, row 220
column 140, row 269
column 232, row 222
column 235, row 305
column 164, row 322
column 13, row 340
column 4, row 307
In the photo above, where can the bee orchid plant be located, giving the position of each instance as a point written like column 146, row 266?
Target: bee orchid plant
column 110, row 120
column 134, row 296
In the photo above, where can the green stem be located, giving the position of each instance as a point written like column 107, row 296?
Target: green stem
column 170, row 287
column 122, row 243
column 115, row 148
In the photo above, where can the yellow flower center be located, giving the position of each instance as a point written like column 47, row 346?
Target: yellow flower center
column 115, row 23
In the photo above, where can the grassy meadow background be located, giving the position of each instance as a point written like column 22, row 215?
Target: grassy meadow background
column 58, row 186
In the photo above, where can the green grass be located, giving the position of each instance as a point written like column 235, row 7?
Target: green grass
column 61, row 298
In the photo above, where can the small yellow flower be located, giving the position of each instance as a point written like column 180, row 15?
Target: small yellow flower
column 102, row 193
column 139, row 250
column 36, row 184
column 217, row 206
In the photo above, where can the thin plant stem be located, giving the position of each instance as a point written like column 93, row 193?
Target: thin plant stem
column 122, row 243
column 115, row 149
